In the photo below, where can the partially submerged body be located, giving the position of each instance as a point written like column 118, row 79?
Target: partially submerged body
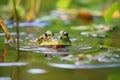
column 55, row 41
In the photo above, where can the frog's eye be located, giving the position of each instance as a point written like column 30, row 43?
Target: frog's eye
column 48, row 32
column 61, row 32
column 65, row 34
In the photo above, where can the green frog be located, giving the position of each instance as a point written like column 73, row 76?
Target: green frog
column 57, row 41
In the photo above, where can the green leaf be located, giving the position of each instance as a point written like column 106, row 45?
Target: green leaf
column 63, row 4
column 111, row 10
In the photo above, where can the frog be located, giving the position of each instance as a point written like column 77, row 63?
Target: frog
column 56, row 41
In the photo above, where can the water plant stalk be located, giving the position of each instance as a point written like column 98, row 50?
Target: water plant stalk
column 17, row 27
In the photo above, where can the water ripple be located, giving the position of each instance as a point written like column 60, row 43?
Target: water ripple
column 72, row 66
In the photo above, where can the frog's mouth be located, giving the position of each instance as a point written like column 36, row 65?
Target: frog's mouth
column 54, row 46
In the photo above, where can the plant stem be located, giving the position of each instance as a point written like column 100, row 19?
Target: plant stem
column 17, row 27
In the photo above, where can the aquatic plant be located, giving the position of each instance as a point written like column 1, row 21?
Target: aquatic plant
column 114, row 7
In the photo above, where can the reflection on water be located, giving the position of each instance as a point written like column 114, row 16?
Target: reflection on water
column 4, row 53
column 79, row 62
column 50, row 64
column 5, row 78
column 38, row 67
column 37, row 71
column 83, row 47
column 72, row 66
column 29, row 48
column 13, row 64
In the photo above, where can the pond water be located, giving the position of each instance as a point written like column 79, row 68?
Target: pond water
column 86, row 59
